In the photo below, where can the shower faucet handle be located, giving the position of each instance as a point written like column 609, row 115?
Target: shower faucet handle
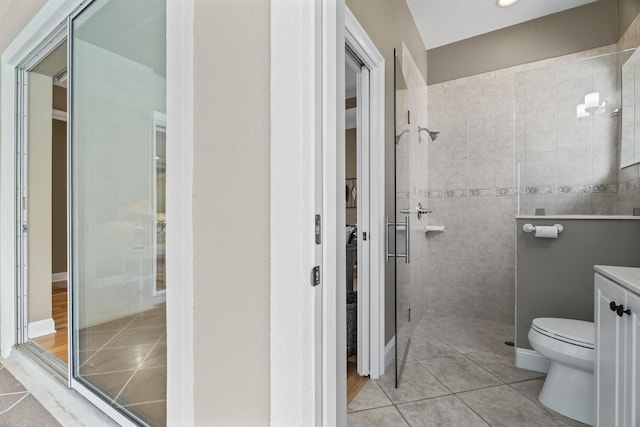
column 419, row 210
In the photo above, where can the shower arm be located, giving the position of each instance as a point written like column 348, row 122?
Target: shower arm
column 432, row 134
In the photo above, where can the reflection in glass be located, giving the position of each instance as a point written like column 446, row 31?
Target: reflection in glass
column 159, row 234
column 118, row 197
column 630, row 128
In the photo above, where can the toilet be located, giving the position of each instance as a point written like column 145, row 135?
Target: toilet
column 569, row 386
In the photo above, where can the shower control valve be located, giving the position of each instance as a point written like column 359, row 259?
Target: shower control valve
column 419, row 210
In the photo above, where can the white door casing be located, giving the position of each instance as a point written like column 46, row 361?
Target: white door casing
column 298, row 350
column 308, row 375
column 371, row 299
column 364, row 254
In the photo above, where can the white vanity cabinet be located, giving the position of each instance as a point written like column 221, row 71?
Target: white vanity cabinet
column 617, row 346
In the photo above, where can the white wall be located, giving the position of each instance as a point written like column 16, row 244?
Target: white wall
column 39, row 197
column 231, row 205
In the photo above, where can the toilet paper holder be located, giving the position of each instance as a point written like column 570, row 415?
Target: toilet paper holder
column 529, row 228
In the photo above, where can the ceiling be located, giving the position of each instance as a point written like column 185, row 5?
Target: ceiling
column 441, row 22
column 128, row 29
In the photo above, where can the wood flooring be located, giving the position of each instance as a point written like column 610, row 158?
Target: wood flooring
column 57, row 343
column 354, row 381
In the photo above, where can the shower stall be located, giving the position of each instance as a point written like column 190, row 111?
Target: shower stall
column 539, row 138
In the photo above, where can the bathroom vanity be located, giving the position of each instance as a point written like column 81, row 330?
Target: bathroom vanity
column 617, row 345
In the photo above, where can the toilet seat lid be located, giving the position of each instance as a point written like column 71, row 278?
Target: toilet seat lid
column 569, row 330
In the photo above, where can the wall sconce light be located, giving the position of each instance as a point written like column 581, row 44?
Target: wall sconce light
column 581, row 111
column 506, row 3
column 591, row 105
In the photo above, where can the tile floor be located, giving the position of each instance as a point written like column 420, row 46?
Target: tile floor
column 458, row 372
column 18, row 407
column 126, row 359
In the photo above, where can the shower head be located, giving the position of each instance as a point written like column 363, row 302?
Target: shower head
column 433, row 135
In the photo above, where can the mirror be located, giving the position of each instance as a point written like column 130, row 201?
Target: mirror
column 630, row 126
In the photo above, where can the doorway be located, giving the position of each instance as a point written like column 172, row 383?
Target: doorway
column 357, row 218
column 364, row 206
column 42, row 191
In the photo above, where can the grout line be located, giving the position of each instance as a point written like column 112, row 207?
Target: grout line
column 142, row 403
column 159, row 340
column 482, row 367
column 473, row 410
column 369, row 409
column 13, row 406
column 111, row 339
column 15, row 392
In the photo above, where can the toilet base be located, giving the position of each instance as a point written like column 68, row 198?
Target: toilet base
column 570, row 392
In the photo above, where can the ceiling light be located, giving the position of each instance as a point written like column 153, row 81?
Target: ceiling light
column 506, row 3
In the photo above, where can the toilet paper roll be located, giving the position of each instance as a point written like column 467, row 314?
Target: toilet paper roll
column 547, row 232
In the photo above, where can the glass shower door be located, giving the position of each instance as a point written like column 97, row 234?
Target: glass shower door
column 410, row 161
column 117, row 84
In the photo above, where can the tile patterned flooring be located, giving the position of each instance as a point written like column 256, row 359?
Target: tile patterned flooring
column 126, row 359
column 458, row 372
column 18, row 407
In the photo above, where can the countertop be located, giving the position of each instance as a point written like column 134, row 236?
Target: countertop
column 628, row 277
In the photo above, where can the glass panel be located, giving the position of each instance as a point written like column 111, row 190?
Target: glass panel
column 575, row 127
column 118, row 93
column 411, row 149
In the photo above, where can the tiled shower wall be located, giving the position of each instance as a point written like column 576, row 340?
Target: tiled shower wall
column 472, row 193
column 492, row 126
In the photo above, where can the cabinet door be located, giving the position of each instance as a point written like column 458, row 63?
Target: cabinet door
column 609, row 354
column 632, row 362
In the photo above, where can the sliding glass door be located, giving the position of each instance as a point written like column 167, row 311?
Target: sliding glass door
column 117, row 158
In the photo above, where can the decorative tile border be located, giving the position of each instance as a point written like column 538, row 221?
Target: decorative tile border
column 633, row 184
column 511, row 191
column 456, row 193
column 482, row 192
column 539, row 190
column 605, row 188
column 535, row 191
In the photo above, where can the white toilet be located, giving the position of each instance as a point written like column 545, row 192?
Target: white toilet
column 568, row 344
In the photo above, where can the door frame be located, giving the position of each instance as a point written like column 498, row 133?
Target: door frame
column 371, row 295
column 308, row 324
column 180, row 93
column 52, row 15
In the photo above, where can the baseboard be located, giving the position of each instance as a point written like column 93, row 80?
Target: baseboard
column 389, row 353
column 41, row 327
column 531, row 360
column 59, row 277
